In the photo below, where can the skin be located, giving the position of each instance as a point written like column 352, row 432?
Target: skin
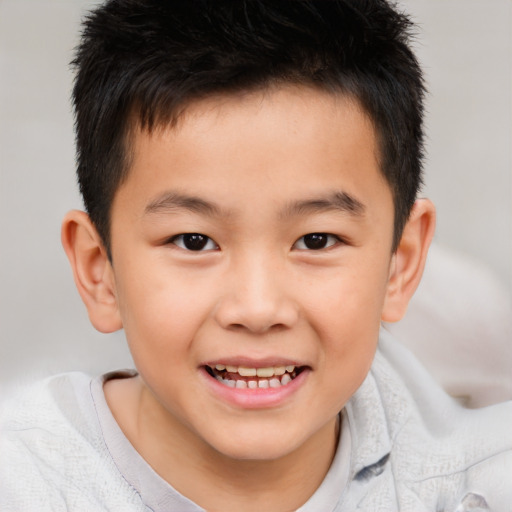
column 255, row 174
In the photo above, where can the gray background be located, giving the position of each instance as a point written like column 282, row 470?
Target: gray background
column 465, row 47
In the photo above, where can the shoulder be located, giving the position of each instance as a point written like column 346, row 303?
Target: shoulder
column 440, row 448
column 45, row 403
column 53, row 452
column 53, row 416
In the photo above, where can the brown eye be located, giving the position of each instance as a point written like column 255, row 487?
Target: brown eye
column 194, row 242
column 316, row 241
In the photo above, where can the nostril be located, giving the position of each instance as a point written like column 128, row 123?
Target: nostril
column 257, row 329
column 236, row 327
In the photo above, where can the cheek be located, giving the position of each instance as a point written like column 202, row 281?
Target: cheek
column 345, row 314
column 347, row 299
column 161, row 309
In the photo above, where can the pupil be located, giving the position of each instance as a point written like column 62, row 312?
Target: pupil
column 194, row 241
column 315, row 241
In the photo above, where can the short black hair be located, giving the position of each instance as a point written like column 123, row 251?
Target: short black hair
column 144, row 61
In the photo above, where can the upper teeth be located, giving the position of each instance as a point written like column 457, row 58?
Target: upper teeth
column 267, row 372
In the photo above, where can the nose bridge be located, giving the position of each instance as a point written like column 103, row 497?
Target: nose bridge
column 256, row 296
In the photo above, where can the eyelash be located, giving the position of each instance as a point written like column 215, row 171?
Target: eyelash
column 205, row 243
column 181, row 242
column 331, row 240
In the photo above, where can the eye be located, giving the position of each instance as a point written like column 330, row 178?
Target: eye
column 194, row 242
column 316, row 241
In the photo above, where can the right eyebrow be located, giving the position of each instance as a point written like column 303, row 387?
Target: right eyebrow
column 171, row 201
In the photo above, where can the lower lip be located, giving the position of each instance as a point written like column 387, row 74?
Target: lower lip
column 258, row 398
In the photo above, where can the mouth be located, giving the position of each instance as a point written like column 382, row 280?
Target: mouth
column 242, row 377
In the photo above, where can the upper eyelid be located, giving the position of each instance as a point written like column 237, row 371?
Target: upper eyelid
column 172, row 239
column 339, row 240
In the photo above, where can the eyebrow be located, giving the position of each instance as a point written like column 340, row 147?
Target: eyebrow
column 338, row 201
column 172, row 201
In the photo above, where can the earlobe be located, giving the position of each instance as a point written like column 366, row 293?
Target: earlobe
column 408, row 262
column 92, row 270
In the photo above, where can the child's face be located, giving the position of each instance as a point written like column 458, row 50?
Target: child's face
column 291, row 268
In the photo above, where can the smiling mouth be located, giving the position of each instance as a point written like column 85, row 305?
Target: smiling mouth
column 241, row 377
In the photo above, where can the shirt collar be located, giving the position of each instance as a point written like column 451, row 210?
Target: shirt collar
column 369, row 430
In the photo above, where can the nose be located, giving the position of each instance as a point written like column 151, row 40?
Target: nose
column 256, row 297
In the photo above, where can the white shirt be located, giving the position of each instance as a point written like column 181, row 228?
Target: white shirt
column 405, row 445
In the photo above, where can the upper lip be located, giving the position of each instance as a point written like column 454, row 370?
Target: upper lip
column 247, row 362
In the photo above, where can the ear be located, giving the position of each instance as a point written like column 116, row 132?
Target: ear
column 408, row 262
column 93, row 273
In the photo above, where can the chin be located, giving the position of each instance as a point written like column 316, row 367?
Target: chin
column 255, row 447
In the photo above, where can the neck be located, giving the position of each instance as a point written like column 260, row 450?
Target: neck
column 209, row 478
column 216, row 482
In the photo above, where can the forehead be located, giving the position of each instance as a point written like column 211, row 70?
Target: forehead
column 293, row 138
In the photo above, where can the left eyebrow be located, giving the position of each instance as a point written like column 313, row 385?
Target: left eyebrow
column 338, row 201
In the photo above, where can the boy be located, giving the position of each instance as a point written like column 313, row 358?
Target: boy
column 250, row 172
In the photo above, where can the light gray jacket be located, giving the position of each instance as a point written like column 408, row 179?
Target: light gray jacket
column 410, row 448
